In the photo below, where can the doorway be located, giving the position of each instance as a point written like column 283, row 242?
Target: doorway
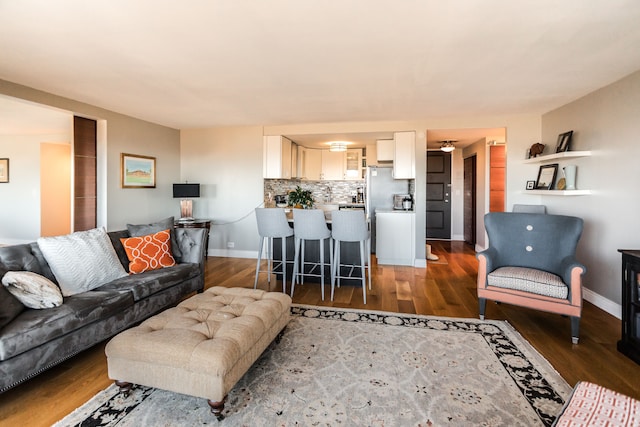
column 469, row 201
column 438, row 195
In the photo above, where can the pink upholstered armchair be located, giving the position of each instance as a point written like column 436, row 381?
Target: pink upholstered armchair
column 531, row 262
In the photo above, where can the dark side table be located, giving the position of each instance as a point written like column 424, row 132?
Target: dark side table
column 630, row 342
column 197, row 223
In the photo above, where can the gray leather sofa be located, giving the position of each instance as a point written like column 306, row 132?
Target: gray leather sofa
column 36, row 340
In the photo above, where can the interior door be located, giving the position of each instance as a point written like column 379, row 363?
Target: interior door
column 438, row 195
column 469, row 200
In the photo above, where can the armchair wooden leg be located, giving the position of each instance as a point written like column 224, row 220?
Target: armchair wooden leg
column 575, row 329
column 482, row 304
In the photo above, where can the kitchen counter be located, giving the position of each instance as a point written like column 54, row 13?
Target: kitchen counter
column 395, row 232
column 394, row 211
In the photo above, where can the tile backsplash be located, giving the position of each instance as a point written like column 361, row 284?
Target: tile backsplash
column 324, row 192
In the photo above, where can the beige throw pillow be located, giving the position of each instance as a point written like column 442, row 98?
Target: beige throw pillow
column 32, row 290
column 82, row 261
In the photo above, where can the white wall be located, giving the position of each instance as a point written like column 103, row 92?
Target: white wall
column 227, row 162
column 124, row 134
column 20, row 197
column 605, row 122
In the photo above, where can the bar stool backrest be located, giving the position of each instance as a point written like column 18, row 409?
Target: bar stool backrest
column 349, row 226
column 272, row 222
column 310, row 224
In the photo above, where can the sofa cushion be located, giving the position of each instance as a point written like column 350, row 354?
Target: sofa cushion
column 32, row 289
column 150, row 252
column 10, row 307
column 82, row 260
column 23, row 258
column 529, row 280
column 148, row 283
column 136, row 230
column 34, row 327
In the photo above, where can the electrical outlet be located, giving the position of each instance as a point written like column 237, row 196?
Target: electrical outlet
column 231, row 245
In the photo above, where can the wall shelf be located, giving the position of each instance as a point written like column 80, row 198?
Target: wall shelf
column 559, row 192
column 558, row 156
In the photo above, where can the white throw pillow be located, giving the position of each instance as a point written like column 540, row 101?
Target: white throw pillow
column 32, row 289
column 81, row 261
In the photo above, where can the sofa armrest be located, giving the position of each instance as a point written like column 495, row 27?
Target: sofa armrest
column 192, row 243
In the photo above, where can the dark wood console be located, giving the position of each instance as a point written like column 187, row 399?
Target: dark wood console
column 630, row 342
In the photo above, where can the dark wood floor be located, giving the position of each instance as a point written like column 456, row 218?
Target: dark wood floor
column 445, row 288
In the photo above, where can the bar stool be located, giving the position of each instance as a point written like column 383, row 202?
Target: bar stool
column 310, row 224
column 350, row 226
column 272, row 224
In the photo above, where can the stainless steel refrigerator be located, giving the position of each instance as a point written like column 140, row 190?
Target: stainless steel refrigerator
column 379, row 194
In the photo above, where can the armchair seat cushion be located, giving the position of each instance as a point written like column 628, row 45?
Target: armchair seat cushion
column 529, row 280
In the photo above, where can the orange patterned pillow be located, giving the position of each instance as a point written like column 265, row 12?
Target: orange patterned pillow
column 150, row 252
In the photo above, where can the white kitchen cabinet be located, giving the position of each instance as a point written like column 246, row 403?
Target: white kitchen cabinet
column 384, row 150
column 276, row 157
column 404, row 156
column 353, row 164
column 295, row 171
column 311, row 163
column 395, row 231
column 332, row 165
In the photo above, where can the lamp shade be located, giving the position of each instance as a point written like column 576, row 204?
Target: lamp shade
column 186, row 190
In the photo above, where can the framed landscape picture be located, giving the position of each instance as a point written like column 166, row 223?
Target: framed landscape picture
column 4, row 170
column 137, row 171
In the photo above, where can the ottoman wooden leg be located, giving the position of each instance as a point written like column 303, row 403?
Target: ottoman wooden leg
column 125, row 387
column 217, row 408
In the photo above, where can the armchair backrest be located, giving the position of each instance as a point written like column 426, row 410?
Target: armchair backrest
column 532, row 240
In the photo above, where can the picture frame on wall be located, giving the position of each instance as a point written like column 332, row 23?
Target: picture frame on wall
column 564, row 142
column 4, row 170
column 137, row 171
column 547, row 176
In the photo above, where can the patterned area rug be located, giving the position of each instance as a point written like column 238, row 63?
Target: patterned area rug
column 365, row 368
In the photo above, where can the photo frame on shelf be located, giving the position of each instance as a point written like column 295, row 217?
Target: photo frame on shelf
column 531, row 185
column 137, row 171
column 546, row 176
column 564, row 142
column 4, row 170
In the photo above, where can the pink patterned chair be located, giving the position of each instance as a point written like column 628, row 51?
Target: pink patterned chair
column 531, row 262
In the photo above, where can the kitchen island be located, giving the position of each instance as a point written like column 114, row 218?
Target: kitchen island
column 349, row 254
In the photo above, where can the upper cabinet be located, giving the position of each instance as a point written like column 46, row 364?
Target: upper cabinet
column 325, row 165
column 404, row 155
column 332, row 165
column 384, row 150
column 353, row 164
column 276, row 157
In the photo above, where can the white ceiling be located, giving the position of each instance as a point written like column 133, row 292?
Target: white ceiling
column 207, row 63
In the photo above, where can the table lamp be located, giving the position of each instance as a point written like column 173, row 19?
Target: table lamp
column 185, row 192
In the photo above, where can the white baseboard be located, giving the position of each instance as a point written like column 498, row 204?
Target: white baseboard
column 232, row 253
column 603, row 303
column 420, row 263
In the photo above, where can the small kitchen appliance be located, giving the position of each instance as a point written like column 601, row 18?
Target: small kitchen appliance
column 281, row 200
column 399, row 199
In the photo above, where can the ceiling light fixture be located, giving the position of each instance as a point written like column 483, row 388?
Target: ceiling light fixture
column 447, row 145
column 338, row 146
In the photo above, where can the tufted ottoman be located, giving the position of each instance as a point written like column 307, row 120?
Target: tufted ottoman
column 203, row 346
